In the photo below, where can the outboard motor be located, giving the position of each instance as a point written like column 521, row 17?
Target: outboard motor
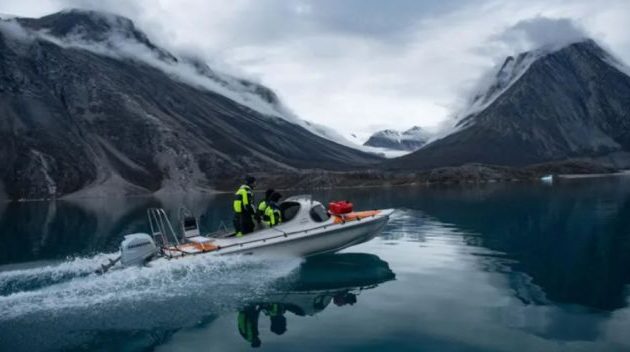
column 137, row 249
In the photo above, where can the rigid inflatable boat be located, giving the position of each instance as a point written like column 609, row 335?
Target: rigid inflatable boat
column 307, row 229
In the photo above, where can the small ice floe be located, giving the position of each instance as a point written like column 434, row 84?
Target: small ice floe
column 548, row 179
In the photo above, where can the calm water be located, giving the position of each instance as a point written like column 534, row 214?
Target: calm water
column 497, row 268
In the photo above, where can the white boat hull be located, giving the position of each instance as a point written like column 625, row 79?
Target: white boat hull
column 328, row 239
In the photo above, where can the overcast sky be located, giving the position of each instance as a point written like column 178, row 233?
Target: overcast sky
column 362, row 65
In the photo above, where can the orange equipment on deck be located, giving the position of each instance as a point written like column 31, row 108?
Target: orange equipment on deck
column 354, row 216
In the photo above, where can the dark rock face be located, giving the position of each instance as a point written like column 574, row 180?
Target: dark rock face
column 411, row 139
column 72, row 120
column 569, row 103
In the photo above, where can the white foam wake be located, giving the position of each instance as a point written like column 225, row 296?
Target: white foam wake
column 73, row 285
column 17, row 280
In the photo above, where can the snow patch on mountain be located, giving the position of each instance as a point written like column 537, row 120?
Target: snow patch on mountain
column 409, row 140
column 385, row 152
column 416, row 133
column 494, row 83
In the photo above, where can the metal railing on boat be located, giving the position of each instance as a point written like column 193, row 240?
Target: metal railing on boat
column 161, row 227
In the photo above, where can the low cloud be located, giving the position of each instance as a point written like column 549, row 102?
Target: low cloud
column 117, row 44
column 361, row 65
column 12, row 29
column 543, row 32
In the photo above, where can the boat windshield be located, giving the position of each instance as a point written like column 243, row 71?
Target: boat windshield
column 319, row 213
column 289, row 210
column 190, row 223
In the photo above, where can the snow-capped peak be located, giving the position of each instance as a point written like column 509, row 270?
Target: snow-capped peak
column 417, row 133
column 493, row 84
column 497, row 81
column 410, row 139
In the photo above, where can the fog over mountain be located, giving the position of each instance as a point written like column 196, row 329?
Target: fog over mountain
column 359, row 66
column 91, row 105
column 550, row 104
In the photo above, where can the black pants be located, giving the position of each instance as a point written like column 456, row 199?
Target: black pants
column 243, row 223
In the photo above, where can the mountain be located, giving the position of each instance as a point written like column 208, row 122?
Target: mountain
column 90, row 106
column 540, row 106
column 411, row 139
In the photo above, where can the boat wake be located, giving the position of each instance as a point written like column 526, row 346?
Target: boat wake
column 67, row 305
column 32, row 278
column 73, row 286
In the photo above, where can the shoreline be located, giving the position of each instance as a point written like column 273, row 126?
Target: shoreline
column 201, row 192
column 598, row 175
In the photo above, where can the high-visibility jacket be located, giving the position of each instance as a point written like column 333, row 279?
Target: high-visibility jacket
column 274, row 309
column 244, row 200
column 262, row 206
column 248, row 323
column 272, row 215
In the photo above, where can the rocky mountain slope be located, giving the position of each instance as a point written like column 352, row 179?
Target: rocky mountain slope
column 541, row 106
column 89, row 104
column 411, row 139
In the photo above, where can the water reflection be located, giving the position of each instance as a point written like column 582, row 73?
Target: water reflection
column 59, row 229
column 544, row 265
column 337, row 278
column 571, row 242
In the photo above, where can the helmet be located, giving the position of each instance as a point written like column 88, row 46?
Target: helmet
column 278, row 324
column 275, row 197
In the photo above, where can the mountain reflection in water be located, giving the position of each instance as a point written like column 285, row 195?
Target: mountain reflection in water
column 516, row 267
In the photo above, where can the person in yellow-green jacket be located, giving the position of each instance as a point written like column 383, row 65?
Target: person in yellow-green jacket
column 278, row 322
column 272, row 215
column 247, row 322
column 262, row 205
column 243, row 205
